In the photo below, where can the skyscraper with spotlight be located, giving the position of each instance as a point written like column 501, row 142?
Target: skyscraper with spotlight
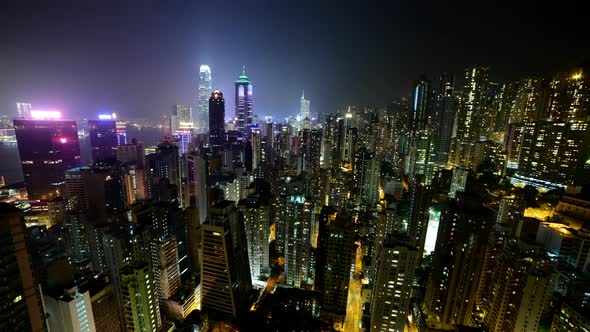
column 244, row 99
column 202, row 124
column 48, row 146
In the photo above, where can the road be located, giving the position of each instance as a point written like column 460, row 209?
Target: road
column 354, row 307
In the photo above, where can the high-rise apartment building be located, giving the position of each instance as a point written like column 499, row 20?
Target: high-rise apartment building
column 298, row 219
column 335, row 254
column 69, row 311
column 304, row 107
column 392, row 287
column 256, row 210
column 21, row 304
column 140, row 298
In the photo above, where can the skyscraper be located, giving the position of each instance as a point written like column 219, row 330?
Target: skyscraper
column 297, row 240
column 392, row 288
column 216, row 121
column 203, row 99
column 103, row 138
column 244, row 100
column 140, row 298
column 304, row 107
column 185, row 117
column 21, row 306
column 69, row 310
column 256, row 212
column 48, row 146
column 225, row 271
column 335, row 255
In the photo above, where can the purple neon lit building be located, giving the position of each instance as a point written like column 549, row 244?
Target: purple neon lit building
column 48, row 146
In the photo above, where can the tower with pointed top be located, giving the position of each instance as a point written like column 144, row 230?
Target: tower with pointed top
column 304, row 107
column 244, row 100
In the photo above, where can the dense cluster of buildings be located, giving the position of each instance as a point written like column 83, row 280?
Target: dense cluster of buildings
column 460, row 208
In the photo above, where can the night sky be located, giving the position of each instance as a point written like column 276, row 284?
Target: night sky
column 140, row 58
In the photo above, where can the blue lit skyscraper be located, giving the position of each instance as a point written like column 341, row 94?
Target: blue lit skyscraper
column 244, row 99
column 203, row 101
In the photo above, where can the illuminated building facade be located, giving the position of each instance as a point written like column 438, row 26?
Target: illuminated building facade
column 392, row 286
column 244, row 101
column 203, row 99
column 48, row 146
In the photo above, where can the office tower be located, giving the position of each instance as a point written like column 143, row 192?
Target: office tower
column 174, row 120
column 225, row 274
column 256, row 212
column 23, row 110
column 335, row 254
column 420, row 202
column 390, row 299
column 103, row 138
column 297, row 240
column 140, row 298
column 457, row 264
column 523, row 282
column 244, row 100
column 444, row 119
column 69, row 310
column 85, row 192
column 216, row 121
column 48, row 146
column 121, row 130
column 184, row 117
column 21, row 306
column 184, row 139
column 165, row 266
column 203, row 99
column 304, row 107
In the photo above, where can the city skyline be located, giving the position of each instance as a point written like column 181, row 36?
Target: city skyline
column 373, row 167
column 123, row 73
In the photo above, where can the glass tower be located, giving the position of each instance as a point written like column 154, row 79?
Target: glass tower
column 203, row 101
column 244, row 99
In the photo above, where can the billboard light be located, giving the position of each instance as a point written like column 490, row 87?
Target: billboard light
column 45, row 115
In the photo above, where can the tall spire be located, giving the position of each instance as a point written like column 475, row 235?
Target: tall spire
column 302, row 94
column 244, row 70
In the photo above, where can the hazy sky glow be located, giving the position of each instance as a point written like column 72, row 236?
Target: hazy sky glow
column 140, row 58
